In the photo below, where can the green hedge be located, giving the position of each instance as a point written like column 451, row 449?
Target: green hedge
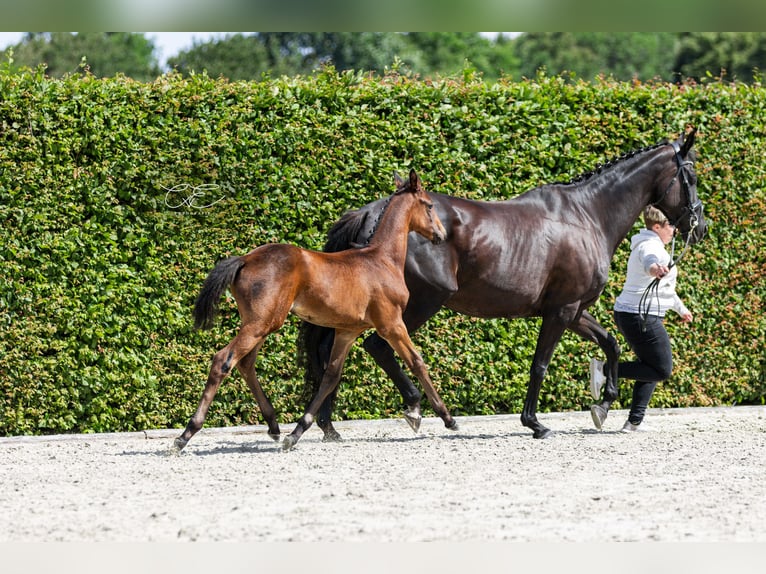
column 102, row 263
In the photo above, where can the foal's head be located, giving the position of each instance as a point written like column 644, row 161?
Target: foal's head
column 423, row 218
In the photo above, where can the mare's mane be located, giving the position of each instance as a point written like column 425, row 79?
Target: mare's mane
column 611, row 163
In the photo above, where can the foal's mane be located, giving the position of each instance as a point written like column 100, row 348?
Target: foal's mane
column 612, row 162
column 346, row 229
column 344, row 232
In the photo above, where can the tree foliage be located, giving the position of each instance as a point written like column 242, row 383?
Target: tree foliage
column 99, row 53
column 667, row 56
column 240, row 57
column 735, row 55
column 589, row 54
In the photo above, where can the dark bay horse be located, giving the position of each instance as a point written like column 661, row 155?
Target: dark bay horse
column 545, row 253
column 349, row 291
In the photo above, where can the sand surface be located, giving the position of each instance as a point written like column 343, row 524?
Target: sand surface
column 699, row 476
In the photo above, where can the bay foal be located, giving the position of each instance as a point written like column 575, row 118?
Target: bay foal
column 350, row 291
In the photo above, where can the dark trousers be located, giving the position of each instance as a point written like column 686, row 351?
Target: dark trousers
column 649, row 341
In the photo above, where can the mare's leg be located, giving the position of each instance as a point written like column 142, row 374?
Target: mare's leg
column 399, row 339
column 324, row 416
column 223, row 362
column 340, row 348
column 247, row 368
column 590, row 330
column 550, row 334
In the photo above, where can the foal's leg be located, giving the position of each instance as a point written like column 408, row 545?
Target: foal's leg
column 418, row 311
column 223, row 362
column 399, row 339
column 340, row 348
column 247, row 368
column 385, row 357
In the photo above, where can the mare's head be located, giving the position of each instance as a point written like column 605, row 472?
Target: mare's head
column 423, row 218
column 677, row 197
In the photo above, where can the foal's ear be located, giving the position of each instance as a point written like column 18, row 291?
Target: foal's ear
column 687, row 142
column 414, row 181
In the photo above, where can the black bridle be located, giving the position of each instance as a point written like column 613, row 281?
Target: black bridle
column 691, row 209
column 692, row 206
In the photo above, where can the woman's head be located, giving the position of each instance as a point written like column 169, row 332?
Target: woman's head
column 653, row 216
column 656, row 221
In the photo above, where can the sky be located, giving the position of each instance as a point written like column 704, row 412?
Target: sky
column 168, row 44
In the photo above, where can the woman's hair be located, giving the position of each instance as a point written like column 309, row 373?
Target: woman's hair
column 653, row 215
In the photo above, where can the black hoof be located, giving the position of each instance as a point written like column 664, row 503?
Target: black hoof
column 275, row 436
column 288, row 443
column 452, row 426
column 179, row 444
column 543, row 433
column 332, row 436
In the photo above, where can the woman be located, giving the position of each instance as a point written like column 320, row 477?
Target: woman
column 639, row 316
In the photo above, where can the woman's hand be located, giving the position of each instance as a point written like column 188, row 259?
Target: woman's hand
column 658, row 271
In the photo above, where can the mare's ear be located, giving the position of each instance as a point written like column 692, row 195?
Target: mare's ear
column 398, row 181
column 414, row 181
column 687, row 142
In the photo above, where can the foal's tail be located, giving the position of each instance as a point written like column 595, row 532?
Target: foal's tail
column 217, row 281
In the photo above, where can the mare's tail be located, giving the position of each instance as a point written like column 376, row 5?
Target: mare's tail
column 315, row 342
column 217, row 281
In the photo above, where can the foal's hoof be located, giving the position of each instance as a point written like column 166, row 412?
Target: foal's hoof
column 179, row 444
column 452, row 426
column 275, row 436
column 543, row 433
column 598, row 413
column 413, row 418
column 331, row 435
column 288, row 443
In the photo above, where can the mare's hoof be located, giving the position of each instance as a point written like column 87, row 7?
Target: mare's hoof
column 288, row 443
column 413, row 418
column 543, row 433
column 179, row 444
column 275, row 436
column 598, row 413
column 452, row 426
column 332, row 435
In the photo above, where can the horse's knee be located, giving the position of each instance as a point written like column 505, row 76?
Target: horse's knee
column 612, row 343
column 418, row 364
column 537, row 372
column 222, row 362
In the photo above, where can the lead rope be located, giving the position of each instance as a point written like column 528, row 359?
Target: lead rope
column 645, row 303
